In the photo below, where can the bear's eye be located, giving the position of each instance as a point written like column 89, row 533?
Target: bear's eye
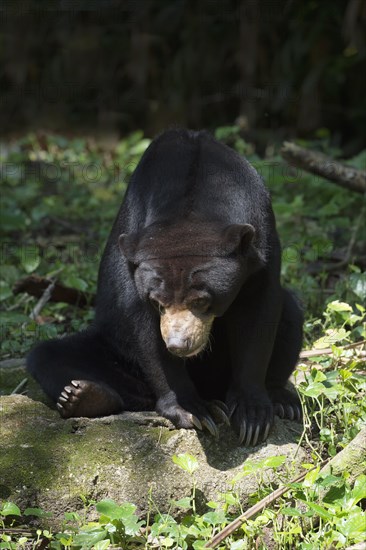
column 200, row 304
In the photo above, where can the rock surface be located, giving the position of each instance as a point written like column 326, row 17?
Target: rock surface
column 51, row 463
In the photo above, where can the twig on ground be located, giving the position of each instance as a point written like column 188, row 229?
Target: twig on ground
column 36, row 286
column 20, row 387
column 42, row 301
column 328, row 351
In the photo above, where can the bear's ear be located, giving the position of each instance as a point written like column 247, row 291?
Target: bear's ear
column 127, row 245
column 238, row 237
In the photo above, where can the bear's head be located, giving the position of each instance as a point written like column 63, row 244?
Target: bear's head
column 190, row 273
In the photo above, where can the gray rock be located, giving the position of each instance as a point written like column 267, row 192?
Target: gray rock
column 49, row 462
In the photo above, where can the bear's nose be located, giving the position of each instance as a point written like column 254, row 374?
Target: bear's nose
column 178, row 346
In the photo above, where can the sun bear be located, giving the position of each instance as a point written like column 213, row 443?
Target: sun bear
column 191, row 318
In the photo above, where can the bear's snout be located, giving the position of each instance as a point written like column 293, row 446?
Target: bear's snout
column 178, row 346
column 185, row 334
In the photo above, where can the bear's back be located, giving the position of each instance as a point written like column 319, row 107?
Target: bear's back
column 188, row 173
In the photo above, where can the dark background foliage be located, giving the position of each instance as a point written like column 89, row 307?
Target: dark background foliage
column 275, row 67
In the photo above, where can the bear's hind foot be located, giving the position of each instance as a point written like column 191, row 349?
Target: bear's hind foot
column 286, row 403
column 87, row 398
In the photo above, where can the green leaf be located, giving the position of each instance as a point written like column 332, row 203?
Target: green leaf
column 230, row 499
column 75, row 282
column 330, row 480
column 112, row 510
column 89, row 537
column 319, row 376
column 184, row 503
column 357, row 282
column 333, row 335
column 338, row 306
column 72, row 516
column 30, row 258
column 213, row 504
column 13, row 317
column 5, row 291
column 274, row 461
column 320, row 511
column 353, row 524
column 312, row 390
column 132, row 525
column 359, row 489
column 102, row 545
column 224, row 132
column 8, row 545
column 140, row 147
column 311, row 477
column 167, row 542
column 10, row 509
column 335, row 494
column 215, row 518
column 65, row 541
column 187, row 462
column 307, row 465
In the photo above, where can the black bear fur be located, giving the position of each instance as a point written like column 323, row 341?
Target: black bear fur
column 195, row 232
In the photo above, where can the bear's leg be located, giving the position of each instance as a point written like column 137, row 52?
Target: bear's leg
column 84, row 379
column 284, row 358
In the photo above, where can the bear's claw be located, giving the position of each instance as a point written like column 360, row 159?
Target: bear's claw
column 266, row 431
column 286, row 404
column 219, row 411
column 210, row 425
column 291, row 412
column 88, row 398
column 196, row 422
column 199, row 414
column 249, row 435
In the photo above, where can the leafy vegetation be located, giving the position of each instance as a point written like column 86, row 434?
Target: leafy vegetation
column 336, row 521
column 59, row 200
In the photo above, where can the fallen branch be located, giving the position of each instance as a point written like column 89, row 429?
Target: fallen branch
column 37, row 286
column 321, row 165
column 328, row 351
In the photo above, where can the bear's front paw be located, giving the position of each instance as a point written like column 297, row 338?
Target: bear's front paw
column 194, row 413
column 251, row 414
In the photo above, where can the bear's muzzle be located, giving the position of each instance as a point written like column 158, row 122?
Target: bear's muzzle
column 185, row 333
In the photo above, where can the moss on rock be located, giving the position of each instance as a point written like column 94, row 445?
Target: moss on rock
column 51, row 463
